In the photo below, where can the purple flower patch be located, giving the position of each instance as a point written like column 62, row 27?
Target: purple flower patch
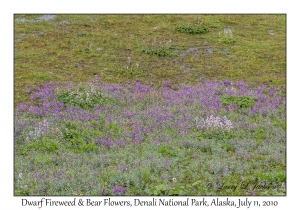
column 119, row 190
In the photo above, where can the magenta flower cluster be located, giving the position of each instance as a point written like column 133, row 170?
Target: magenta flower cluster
column 141, row 113
column 119, row 190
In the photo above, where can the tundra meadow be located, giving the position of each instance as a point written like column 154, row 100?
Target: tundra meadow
column 160, row 119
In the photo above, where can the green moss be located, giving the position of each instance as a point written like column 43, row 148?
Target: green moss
column 102, row 43
column 40, row 76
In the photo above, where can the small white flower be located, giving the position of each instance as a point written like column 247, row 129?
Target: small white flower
column 174, row 179
column 215, row 123
column 20, row 177
column 227, row 31
column 197, row 121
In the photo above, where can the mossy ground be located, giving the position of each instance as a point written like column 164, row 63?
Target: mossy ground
column 80, row 47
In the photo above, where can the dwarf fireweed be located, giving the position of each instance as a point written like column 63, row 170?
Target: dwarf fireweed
column 132, row 136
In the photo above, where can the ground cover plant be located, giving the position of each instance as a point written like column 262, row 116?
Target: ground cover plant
column 132, row 139
column 149, row 105
column 80, row 47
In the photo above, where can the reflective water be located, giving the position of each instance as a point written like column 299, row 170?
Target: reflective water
column 42, row 18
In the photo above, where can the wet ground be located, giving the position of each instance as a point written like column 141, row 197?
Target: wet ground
column 42, row 18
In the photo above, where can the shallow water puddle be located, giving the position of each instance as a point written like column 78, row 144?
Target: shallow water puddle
column 43, row 18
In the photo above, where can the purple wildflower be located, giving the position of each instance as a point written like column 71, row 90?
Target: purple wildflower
column 167, row 164
column 276, row 157
column 272, row 91
column 166, row 83
column 137, row 140
column 122, row 169
column 194, row 156
column 119, row 190
column 107, row 141
column 226, row 83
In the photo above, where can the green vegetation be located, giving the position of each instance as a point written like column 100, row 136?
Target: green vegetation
column 158, row 51
column 186, row 144
column 227, row 40
column 192, row 29
column 149, row 105
column 80, row 47
column 241, row 102
column 85, row 99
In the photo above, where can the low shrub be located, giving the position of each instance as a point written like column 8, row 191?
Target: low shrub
column 160, row 51
column 193, row 29
column 240, row 101
column 85, row 98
